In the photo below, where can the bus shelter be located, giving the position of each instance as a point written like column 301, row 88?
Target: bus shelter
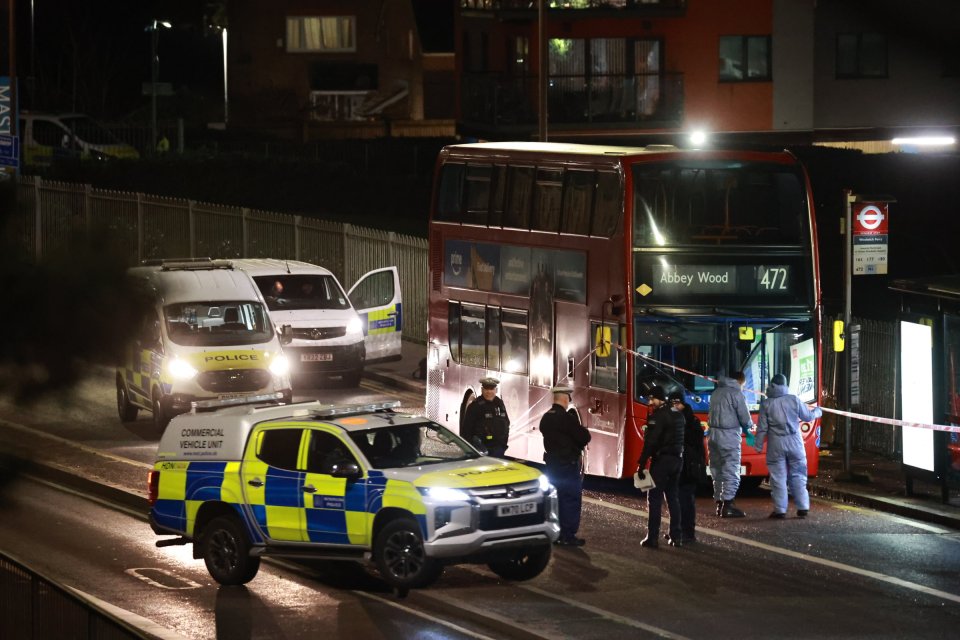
column 929, row 378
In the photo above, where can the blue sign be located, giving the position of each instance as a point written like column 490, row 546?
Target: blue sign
column 9, row 151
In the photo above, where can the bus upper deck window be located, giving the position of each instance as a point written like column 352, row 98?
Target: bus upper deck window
column 450, row 193
column 608, row 206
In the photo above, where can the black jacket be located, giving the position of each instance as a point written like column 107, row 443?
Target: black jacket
column 563, row 436
column 664, row 434
column 694, row 457
column 486, row 420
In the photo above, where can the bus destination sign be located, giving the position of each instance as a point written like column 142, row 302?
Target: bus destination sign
column 687, row 279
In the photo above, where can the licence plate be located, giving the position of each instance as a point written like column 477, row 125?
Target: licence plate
column 516, row 509
column 316, row 357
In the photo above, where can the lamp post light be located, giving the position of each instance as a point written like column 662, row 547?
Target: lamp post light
column 154, row 29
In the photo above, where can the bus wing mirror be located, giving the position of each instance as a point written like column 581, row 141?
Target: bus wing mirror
column 839, row 341
column 617, row 306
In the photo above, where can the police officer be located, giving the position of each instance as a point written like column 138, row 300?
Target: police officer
column 663, row 444
column 486, row 421
column 563, row 441
column 729, row 420
column 693, row 464
column 779, row 424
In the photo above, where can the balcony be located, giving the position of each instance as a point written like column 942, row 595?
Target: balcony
column 492, row 105
column 514, row 9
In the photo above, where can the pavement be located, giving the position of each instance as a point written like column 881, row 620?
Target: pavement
column 873, row 481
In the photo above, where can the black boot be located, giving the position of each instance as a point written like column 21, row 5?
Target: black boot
column 719, row 507
column 730, row 511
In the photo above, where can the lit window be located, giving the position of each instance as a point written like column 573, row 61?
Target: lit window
column 321, row 33
column 744, row 58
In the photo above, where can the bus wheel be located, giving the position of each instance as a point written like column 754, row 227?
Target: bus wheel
column 468, row 398
column 401, row 558
column 751, row 483
column 126, row 410
column 226, row 552
column 523, row 565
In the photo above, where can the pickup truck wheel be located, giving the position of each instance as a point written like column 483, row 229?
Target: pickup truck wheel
column 401, row 558
column 524, row 565
column 226, row 552
column 126, row 410
column 352, row 379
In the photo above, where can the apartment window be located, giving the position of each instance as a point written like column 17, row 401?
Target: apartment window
column 321, row 33
column 519, row 61
column 744, row 58
column 861, row 55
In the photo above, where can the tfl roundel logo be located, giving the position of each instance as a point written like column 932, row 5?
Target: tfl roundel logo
column 869, row 218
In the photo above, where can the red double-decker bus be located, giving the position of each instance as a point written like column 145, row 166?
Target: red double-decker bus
column 614, row 269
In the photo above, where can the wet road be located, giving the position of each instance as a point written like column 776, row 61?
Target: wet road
column 842, row 572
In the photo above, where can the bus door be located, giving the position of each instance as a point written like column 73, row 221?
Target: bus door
column 377, row 298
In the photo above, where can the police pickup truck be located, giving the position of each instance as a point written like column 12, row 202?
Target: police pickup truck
column 367, row 483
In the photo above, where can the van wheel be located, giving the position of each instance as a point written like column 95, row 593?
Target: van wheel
column 751, row 483
column 352, row 379
column 226, row 552
column 160, row 419
column 401, row 558
column 126, row 410
column 524, row 565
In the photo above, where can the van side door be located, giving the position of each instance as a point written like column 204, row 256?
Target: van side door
column 378, row 300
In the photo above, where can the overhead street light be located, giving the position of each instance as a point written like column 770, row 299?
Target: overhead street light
column 154, row 29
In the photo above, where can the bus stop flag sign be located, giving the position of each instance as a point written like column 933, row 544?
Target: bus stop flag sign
column 870, row 224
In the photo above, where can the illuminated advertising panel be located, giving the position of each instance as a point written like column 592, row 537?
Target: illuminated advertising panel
column 916, row 392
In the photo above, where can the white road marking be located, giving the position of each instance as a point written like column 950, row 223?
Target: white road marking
column 189, row 584
column 82, row 447
column 932, row 528
column 875, row 575
column 425, row 616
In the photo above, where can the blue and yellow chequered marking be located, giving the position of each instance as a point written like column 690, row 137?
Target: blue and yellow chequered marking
column 144, row 368
column 383, row 321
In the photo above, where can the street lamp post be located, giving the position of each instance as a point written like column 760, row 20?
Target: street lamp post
column 154, row 29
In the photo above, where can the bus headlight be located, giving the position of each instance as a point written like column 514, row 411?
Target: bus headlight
column 180, row 369
column 280, row 366
column 354, row 326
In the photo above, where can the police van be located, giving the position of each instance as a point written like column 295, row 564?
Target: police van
column 206, row 336
column 362, row 483
column 330, row 333
column 49, row 136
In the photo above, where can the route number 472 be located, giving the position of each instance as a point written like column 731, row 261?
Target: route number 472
column 773, row 278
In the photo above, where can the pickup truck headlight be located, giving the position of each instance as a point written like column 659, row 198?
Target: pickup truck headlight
column 444, row 494
column 544, row 483
column 181, row 369
column 280, row 366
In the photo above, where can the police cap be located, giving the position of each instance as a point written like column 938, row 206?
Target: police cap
column 489, row 383
column 657, row 393
column 561, row 389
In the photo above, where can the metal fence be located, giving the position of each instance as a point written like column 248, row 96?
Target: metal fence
column 33, row 607
column 878, row 382
column 51, row 215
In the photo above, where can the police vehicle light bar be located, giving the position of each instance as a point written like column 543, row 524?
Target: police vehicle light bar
column 355, row 408
column 211, row 405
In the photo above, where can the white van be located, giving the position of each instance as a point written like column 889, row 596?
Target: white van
column 330, row 333
column 208, row 337
column 45, row 136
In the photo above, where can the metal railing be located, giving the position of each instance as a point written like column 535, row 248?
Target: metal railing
column 34, row 607
column 51, row 216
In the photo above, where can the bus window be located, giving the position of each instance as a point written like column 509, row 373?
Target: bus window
column 498, row 189
column 514, row 341
column 478, row 195
column 473, row 334
column 603, row 373
column 608, row 205
column 453, row 330
column 546, row 200
column 493, row 337
column 519, row 195
column 577, row 202
column 451, row 186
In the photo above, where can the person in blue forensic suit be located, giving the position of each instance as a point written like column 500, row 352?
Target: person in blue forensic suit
column 563, row 441
column 779, row 425
column 663, row 445
column 729, row 420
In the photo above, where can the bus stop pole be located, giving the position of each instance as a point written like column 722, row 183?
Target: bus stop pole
column 848, row 199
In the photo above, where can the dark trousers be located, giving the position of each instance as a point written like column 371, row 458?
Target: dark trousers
column 688, row 510
column 665, row 470
column 566, row 478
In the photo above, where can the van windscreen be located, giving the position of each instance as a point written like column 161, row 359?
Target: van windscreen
column 217, row 323
column 295, row 291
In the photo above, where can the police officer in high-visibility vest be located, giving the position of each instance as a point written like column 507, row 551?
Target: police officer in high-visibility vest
column 564, row 439
column 486, row 421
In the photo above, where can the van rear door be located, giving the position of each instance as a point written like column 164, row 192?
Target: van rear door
column 378, row 300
